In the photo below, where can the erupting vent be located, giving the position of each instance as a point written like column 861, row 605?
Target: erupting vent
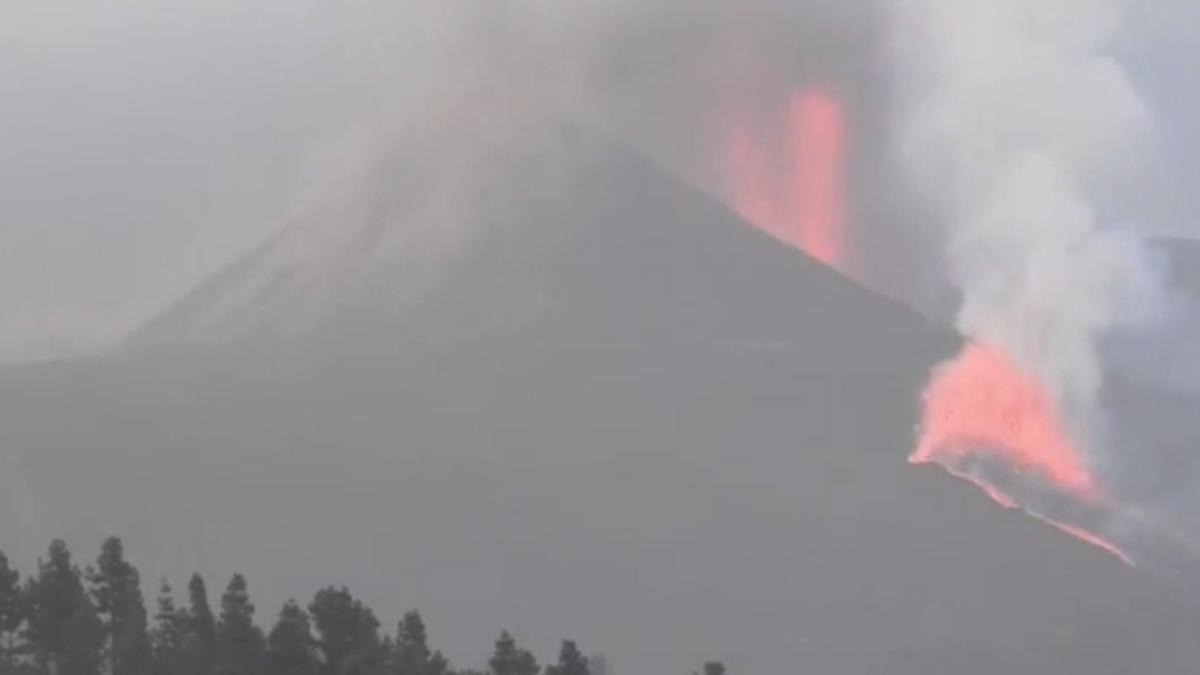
column 981, row 410
column 980, row 403
column 985, row 420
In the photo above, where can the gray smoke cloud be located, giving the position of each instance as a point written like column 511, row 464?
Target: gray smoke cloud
column 1014, row 113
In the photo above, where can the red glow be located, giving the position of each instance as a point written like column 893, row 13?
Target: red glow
column 1088, row 537
column 990, row 490
column 816, row 146
column 982, row 405
column 795, row 189
column 790, row 182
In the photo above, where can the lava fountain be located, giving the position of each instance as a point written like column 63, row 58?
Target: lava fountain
column 794, row 187
column 981, row 404
column 985, row 419
column 988, row 422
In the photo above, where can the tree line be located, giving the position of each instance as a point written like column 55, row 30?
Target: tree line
column 64, row 620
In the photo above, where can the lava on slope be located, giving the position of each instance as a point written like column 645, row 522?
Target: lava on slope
column 988, row 422
column 793, row 186
column 982, row 404
column 984, row 420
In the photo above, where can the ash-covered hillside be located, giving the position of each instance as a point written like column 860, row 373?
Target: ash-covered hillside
column 609, row 410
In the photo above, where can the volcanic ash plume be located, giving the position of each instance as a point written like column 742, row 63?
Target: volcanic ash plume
column 1013, row 112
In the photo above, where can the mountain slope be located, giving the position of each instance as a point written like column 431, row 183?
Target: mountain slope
column 619, row 415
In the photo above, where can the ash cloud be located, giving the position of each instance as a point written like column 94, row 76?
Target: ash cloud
column 1015, row 111
column 1022, row 126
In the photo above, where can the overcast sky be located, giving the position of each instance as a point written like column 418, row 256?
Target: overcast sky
column 147, row 142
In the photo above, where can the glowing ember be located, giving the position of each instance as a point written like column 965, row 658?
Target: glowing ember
column 795, row 191
column 981, row 406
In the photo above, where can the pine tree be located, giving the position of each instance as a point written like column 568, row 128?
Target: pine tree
column 413, row 656
column 12, row 615
column 240, row 644
column 570, row 661
column 117, row 594
column 169, row 638
column 370, row 654
column 291, row 648
column 714, row 668
column 204, row 624
column 199, row 650
column 344, row 626
column 508, row 659
column 63, row 630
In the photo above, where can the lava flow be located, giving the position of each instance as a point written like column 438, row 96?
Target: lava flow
column 981, row 410
column 794, row 188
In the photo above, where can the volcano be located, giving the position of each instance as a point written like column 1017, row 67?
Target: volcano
column 611, row 410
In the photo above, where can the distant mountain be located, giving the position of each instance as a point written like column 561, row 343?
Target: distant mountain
column 612, row 411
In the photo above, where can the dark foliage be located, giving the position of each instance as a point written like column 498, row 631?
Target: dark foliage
column 64, row 621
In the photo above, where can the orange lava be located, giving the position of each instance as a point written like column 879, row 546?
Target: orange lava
column 996, row 494
column 794, row 188
column 1087, row 537
column 981, row 405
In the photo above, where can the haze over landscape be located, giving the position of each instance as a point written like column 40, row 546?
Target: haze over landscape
column 670, row 328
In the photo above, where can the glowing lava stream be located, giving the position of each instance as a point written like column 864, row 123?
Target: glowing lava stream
column 981, row 408
column 1088, row 537
column 795, row 191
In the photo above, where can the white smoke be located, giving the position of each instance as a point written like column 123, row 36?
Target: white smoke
column 1013, row 114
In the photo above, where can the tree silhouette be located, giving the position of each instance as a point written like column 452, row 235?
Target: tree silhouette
column 169, row 638
column 508, row 659
column 570, row 661
column 413, row 656
column 345, row 627
column 64, row 633
column 55, row 624
column 291, row 648
column 200, row 648
column 204, row 624
column 12, row 615
column 117, row 594
column 240, row 644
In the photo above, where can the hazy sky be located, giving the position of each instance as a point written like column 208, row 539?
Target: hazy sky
column 146, row 142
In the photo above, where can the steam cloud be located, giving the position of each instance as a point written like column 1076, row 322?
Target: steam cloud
column 1013, row 113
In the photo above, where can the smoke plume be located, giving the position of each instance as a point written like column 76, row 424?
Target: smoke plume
column 1013, row 114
